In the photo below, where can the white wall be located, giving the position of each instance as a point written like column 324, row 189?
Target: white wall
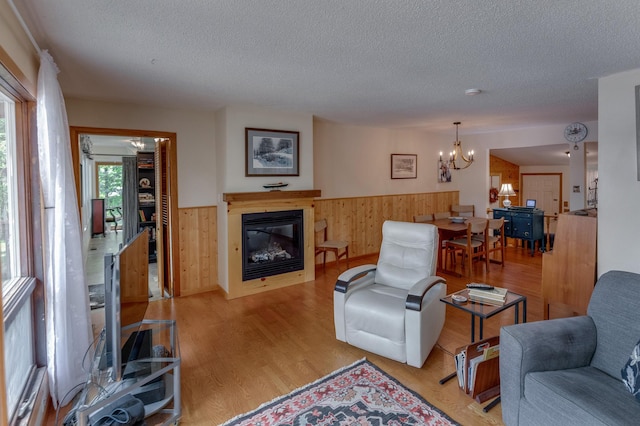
column 232, row 178
column 195, row 132
column 619, row 188
column 352, row 161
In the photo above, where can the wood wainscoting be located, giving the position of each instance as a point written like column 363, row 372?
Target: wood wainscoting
column 357, row 220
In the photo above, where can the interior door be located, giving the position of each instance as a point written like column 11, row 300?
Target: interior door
column 163, row 212
column 545, row 189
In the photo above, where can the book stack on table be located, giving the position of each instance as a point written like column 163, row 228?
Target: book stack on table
column 492, row 296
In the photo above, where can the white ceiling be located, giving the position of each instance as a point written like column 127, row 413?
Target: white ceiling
column 391, row 63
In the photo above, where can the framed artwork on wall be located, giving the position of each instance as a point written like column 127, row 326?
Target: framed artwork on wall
column 404, row 166
column 444, row 171
column 272, row 152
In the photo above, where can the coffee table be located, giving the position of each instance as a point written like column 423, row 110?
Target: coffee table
column 483, row 311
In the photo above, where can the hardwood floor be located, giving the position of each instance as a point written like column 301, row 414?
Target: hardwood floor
column 240, row 353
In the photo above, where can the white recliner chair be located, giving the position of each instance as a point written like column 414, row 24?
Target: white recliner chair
column 393, row 308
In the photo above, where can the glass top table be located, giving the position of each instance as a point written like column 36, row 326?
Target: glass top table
column 484, row 311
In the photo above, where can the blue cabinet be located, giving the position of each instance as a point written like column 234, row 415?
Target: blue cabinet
column 523, row 223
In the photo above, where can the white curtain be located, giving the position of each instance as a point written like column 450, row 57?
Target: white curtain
column 67, row 315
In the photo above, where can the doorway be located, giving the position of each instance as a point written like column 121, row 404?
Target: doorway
column 166, row 228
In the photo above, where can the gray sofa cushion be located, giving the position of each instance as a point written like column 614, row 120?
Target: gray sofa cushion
column 616, row 318
column 578, row 396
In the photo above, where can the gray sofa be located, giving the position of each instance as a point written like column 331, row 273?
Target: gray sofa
column 568, row 371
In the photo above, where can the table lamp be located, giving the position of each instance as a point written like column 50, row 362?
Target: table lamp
column 505, row 191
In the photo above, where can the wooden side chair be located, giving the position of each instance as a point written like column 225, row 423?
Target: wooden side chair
column 442, row 215
column 421, row 218
column 473, row 245
column 495, row 239
column 334, row 246
column 463, row 210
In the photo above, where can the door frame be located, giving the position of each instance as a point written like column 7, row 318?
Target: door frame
column 172, row 256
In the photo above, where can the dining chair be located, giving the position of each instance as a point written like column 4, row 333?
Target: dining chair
column 463, row 210
column 495, row 239
column 421, row 218
column 441, row 215
column 334, row 246
column 472, row 246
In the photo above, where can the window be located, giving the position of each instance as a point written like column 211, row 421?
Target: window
column 19, row 306
column 9, row 241
column 110, row 183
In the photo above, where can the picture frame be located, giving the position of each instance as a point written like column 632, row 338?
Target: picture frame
column 404, row 166
column 271, row 152
column 444, row 171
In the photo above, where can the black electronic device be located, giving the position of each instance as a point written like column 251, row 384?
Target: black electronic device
column 120, row 316
column 137, row 347
column 480, row 286
column 531, row 203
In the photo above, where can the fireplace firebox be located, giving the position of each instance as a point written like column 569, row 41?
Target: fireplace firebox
column 272, row 243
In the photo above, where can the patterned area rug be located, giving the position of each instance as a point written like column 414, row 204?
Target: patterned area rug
column 359, row 395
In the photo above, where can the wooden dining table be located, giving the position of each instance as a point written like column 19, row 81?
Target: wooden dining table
column 448, row 230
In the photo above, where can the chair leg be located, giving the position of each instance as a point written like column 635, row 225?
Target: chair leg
column 346, row 253
column 335, row 253
column 486, row 258
column 324, row 259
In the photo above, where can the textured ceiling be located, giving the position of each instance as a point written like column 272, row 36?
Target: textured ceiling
column 392, row 63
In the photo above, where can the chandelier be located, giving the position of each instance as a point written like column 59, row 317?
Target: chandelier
column 456, row 157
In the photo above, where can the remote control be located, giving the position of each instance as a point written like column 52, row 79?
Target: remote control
column 479, row 286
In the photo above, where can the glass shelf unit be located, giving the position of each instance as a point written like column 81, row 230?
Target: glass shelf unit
column 141, row 378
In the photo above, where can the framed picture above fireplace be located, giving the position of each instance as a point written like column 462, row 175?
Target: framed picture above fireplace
column 272, row 152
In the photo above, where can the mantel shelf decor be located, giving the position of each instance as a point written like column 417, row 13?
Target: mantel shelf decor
column 270, row 195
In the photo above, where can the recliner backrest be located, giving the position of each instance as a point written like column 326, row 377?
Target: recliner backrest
column 613, row 307
column 408, row 253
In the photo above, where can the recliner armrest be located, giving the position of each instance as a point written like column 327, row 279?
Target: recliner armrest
column 419, row 289
column 541, row 346
column 350, row 275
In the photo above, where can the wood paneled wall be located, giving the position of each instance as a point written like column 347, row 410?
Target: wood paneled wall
column 509, row 173
column 359, row 220
column 198, row 249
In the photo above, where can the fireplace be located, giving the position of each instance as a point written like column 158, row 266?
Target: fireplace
column 272, row 243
